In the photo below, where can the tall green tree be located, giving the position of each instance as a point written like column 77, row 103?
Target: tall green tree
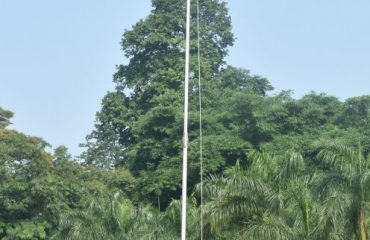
column 140, row 124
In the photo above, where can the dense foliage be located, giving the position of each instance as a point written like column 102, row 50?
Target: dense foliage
column 275, row 167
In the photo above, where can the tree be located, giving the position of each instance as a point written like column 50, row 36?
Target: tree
column 140, row 124
column 61, row 154
column 356, row 113
column 25, row 187
column 37, row 188
column 109, row 217
column 105, row 144
column 5, row 115
column 114, row 217
column 347, row 179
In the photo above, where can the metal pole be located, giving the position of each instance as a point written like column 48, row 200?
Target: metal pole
column 185, row 137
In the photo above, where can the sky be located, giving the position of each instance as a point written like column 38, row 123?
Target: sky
column 57, row 57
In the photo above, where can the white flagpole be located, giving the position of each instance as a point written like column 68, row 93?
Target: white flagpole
column 185, row 137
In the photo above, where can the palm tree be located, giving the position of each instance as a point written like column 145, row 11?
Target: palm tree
column 81, row 224
column 255, row 198
column 347, row 178
column 116, row 218
column 105, row 218
column 272, row 198
column 233, row 198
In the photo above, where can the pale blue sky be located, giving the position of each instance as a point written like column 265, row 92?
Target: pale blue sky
column 57, row 57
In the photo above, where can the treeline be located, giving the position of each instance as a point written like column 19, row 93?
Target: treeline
column 311, row 183
column 275, row 167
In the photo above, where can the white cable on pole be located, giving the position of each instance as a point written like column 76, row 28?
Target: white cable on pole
column 200, row 124
column 185, row 137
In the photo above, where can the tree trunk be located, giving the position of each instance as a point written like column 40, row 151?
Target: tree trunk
column 362, row 222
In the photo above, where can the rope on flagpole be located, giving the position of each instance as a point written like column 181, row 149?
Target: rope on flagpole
column 200, row 122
